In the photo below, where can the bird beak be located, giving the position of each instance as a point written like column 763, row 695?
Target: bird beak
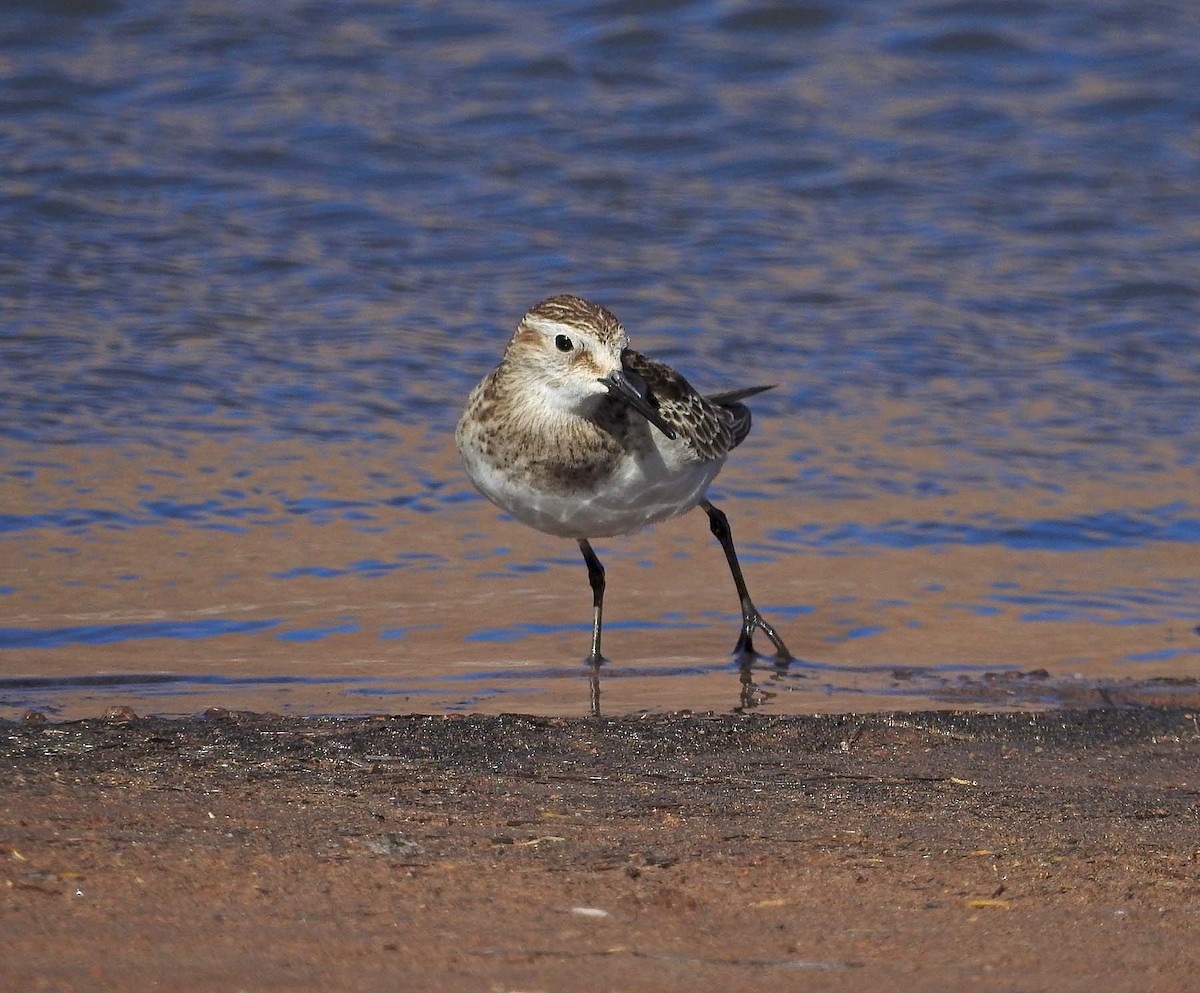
column 630, row 388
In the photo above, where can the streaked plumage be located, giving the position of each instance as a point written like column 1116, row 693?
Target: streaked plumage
column 576, row 434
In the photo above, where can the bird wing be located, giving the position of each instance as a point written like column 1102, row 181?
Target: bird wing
column 711, row 425
column 739, row 427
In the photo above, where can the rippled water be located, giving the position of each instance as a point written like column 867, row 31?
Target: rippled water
column 253, row 256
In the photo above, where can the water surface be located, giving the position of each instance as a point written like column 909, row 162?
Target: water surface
column 253, row 257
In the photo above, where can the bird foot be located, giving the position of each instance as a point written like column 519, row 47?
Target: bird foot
column 744, row 650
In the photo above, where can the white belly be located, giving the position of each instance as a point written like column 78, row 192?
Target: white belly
column 636, row 494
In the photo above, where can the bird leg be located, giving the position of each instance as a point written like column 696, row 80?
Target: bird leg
column 594, row 688
column 596, row 579
column 751, row 618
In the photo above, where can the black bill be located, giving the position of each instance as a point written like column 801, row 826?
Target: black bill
column 630, row 388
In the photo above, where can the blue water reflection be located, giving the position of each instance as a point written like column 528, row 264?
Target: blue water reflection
column 104, row 634
column 250, row 264
column 1112, row 529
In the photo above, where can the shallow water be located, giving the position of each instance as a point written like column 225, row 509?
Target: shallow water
column 253, row 257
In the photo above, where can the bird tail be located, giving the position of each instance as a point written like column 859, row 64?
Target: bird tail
column 733, row 396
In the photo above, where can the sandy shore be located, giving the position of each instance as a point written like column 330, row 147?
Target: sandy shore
column 936, row 851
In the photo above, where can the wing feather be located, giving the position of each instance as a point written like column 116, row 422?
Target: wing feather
column 712, row 425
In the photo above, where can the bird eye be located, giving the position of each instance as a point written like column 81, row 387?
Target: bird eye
column 563, row 343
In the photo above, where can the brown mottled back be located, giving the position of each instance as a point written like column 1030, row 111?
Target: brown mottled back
column 711, row 425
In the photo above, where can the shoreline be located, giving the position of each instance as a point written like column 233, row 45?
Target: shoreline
column 1001, row 851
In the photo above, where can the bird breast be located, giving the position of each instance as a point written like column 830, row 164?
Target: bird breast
column 581, row 477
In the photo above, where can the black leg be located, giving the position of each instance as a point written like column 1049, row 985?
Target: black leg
column 594, row 687
column 596, row 579
column 751, row 618
column 746, row 700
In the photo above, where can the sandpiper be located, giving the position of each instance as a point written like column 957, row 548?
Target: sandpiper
column 576, row 434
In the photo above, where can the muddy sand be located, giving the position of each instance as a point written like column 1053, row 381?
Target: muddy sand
column 926, row 851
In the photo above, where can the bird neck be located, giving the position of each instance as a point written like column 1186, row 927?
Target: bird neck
column 544, row 404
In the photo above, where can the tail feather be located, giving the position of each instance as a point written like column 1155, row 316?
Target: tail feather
column 733, row 396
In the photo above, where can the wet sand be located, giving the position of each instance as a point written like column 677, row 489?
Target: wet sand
column 940, row 851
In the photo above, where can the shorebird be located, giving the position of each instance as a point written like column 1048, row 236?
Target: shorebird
column 577, row 435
